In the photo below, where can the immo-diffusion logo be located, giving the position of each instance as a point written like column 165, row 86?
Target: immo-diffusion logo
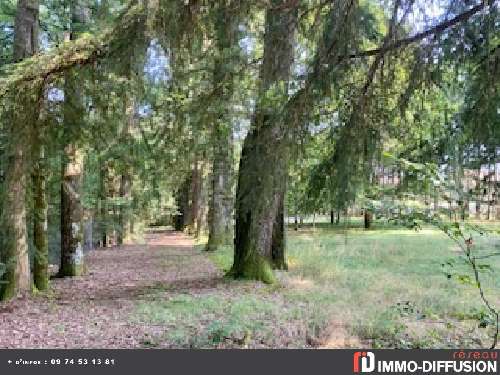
column 367, row 361
column 460, row 363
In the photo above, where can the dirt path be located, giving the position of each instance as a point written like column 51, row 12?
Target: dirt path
column 94, row 311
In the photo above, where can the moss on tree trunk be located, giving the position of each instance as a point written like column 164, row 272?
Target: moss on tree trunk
column 13, row 242
column 14, row 255
column 264, row 159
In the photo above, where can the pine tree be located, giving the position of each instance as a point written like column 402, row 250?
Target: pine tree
column 14, row 255
column 264, row 156
column 72, row 261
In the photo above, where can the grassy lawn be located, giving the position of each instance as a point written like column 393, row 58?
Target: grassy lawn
column 389, row 286
column 385, row 287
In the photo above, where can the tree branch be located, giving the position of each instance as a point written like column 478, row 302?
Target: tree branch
column 462, row 17
column 83, row 51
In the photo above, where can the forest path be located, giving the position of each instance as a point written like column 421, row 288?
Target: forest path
column 96, row 310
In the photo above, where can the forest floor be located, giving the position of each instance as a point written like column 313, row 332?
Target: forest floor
column 165, row 293
column 380, row 288
column 93, row 311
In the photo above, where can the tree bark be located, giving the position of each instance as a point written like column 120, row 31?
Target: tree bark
column 221, row 199
column 278, row 245
column 194, row 198
column 264, row 159
column 221, row 202
column 88, row 230
column 72, row 168
column 71, row 214
column 15, row 259
column 14, row 254
column 124, row 213
column 368, row 216
column 26, row 29
column 182, row 201
column 40, row 224
column 126, row 179
column 103, row 206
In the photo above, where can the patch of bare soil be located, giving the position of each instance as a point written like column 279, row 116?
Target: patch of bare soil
column 336, row 336
column 93, row 311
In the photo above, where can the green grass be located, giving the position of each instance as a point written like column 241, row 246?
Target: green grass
column 386, row 287
column 390, row 284
column 212, row 320
column 366, row 278
column 222, row 258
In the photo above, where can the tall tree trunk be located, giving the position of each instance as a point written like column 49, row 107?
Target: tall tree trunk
column 16, row 277
column 126, row 178
column 264, row 159
column 194, row 208
column 72, row 168
column 103, row 206
column 40, row 209
column 124, row 214
column 88, row 230
column 202, row 218
column 367, row 218
column 71, row 214
column 14, row 247
column 221, row 201
column 182, row 202
column 40, row 224
column 479, row 190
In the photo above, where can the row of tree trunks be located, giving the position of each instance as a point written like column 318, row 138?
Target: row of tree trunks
column 14, row 247
column 264, row 159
